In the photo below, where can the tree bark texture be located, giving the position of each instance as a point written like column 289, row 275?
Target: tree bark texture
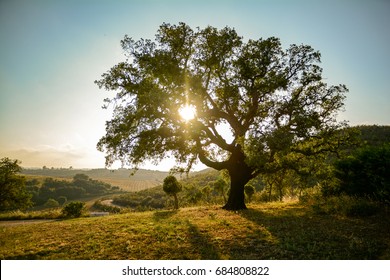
column 239, row 177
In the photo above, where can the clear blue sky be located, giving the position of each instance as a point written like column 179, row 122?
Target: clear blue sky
column 52, row 51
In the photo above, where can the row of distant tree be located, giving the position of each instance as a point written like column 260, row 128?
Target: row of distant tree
column 62, row 190
column 19, row 193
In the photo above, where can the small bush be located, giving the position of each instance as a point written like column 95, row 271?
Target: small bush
column 346, row 206
column 311, row 195
column 51, row 203
column 73, row 209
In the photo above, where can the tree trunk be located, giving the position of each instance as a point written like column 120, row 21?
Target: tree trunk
column 176, row 201
column 224, row 196
column 270, row 192
column 239, row 177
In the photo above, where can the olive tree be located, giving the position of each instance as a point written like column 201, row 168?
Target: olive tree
column 171, row 187
column 174, row 94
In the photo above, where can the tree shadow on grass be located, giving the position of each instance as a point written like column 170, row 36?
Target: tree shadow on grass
column 201, row 243
column 302, row 235
column 165, row 214
column 296, row 239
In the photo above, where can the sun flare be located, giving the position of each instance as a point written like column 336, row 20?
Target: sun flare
column 187, row 112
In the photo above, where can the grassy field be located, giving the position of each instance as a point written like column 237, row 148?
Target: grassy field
column 265, row 231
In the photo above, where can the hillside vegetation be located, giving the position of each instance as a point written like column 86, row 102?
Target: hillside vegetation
column 197, row 190
column 266, row 231
column 123, row 178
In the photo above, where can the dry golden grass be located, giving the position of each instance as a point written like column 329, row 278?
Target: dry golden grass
column 265, row 231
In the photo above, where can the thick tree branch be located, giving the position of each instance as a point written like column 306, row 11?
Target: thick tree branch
column 215, row 137
column 206, row 161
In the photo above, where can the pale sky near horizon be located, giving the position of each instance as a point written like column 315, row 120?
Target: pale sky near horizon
column 52, row 51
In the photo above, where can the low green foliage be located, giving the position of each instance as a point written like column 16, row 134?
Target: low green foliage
column 191, row 195
column 53, row 213
column 74, row 209
column 361, row 207
column 149, row 199
column 344, row 205
column 366, row 173
column 265, row 231
column 51, row 203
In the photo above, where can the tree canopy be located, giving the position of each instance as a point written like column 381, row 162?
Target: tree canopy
column 273, row 101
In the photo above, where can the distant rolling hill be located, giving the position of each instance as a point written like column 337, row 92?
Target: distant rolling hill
column 123, row 178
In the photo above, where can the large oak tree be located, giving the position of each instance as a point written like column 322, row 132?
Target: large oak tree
column 273, row 101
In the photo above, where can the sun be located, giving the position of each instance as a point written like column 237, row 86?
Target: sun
column 187, row 112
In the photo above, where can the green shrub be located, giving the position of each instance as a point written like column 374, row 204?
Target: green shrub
column 311, row 195
column 149, row 198
column 366, row 173
column 73, row 209
column 345, row 205
column 51, row 203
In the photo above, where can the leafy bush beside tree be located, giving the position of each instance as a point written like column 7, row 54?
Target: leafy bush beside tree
column 52, row 203
column 365, row 174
